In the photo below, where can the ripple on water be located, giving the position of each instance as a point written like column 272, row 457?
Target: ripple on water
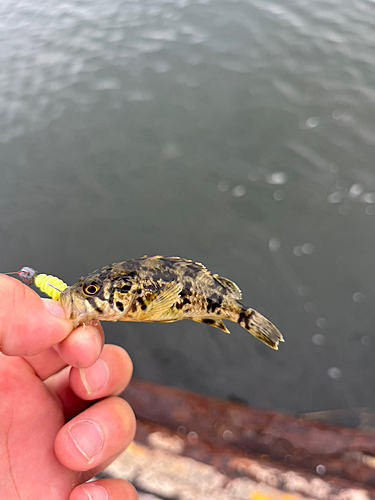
column 318, row 339
column 312, row 122
column 278, row 195
column 368, row 198
column 274, row 244
column 160, row 66
column 358, row 297
column 139, row 95
column 277, row 178
column 239, row 191
column 304, row 249
column 334, row 372
column 355, row 190
column 164, row 35
column 290, row 91
column 335, row 197
column 321, row 322
column 223, row 186
column 310, row 155
column 106, row 84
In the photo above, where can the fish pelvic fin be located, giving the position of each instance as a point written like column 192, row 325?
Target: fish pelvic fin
column 216, row 323
column 260, row 327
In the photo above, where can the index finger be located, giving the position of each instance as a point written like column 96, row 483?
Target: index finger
column 28, row 323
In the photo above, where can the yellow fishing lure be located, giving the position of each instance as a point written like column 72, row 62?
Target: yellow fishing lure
column 50, row 285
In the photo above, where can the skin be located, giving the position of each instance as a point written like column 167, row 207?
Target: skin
column 54, row 433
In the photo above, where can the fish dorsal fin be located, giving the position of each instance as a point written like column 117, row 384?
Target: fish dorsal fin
column 198, row 264
column 217, row 323
column 163, row 301
column 229, row 285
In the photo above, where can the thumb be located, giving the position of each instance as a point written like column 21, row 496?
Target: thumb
column 28, row 324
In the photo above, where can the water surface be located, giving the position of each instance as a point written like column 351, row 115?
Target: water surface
column 236, row 133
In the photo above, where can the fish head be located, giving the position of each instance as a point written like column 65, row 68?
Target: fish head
column 98, row 296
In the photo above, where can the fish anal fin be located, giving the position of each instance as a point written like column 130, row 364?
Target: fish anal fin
column 229, row 285
column 216, row 323
column 163, row 301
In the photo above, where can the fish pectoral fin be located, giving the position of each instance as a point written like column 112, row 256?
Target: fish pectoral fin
column 216, row 323
column 164, row 300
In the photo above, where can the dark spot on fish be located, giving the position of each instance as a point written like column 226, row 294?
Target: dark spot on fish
column 139, row 291
column 163, row 274
column 216, row 298
column 208, row 321
column 241, row 317
column 212, row 305
column 100, row 274
column 120, row 306
column 190, row 273
column 244, row 317
column 143, row 307
column 103, row 275
column 180, row 305
column 95, row 306
column 187, row 289
column 150, row 286
column 121, row 285
column 140, row 300
column 134, row 306
column 110, row 298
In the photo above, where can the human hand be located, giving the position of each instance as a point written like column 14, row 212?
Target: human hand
column 54, row 435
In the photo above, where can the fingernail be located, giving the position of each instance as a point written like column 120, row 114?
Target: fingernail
column 95, row 337
column 54, row 308
column 95, row 492
column 87, row 437
column 95, row 377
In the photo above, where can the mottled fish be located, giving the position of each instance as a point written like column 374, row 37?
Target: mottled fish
column 163, row 289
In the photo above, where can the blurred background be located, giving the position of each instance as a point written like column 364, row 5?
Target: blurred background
column 236, row 133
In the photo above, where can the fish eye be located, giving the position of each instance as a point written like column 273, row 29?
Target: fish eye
column 91, row 289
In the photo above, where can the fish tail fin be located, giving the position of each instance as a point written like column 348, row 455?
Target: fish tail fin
column 260, row 327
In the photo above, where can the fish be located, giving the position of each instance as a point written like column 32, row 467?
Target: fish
column 163, row 290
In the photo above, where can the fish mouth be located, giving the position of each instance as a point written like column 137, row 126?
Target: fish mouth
column 75, row 308
column 66, row 302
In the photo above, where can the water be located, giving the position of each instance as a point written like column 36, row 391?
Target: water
column 235, row 133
